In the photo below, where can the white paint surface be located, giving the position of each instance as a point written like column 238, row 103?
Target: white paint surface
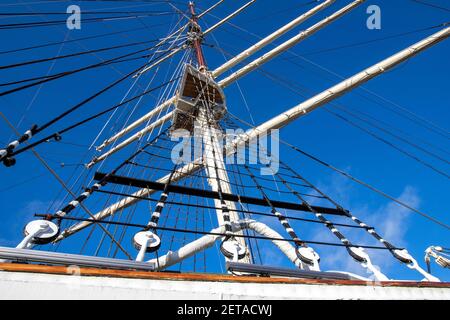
column 20, row 285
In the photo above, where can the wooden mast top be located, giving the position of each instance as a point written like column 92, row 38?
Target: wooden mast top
column 197, row 43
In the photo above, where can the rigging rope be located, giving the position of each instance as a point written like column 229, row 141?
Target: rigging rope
column 289, row 85
column 7, row 153
column 369, row 229
column 285, row 223
column 13, row 26
column 347, row 175
column 57, row 135
column 69, row 41
column 95, row 187
column 63, row 184
column 402, row 111
column 70, row 72
column 36, row 61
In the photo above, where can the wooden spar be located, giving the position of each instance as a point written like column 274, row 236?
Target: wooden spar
column 269, row 39
column 286, row 117
column 196, row 43
column 288, row 44
column 162, row 107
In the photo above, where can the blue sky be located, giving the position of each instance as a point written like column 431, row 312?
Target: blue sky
column 419, row 85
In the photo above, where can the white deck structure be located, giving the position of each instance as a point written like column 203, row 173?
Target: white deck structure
column 41, row 282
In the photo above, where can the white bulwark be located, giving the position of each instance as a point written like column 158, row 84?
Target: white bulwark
column 42, row 282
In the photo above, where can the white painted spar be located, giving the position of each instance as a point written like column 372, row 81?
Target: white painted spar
column 229, row 17
column 342, row 87
column 175, row 51
column 269, row 39
column 205, row 242
column 288, row 44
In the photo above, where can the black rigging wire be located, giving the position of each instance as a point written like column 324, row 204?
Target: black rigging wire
column 71, row 40
column 408, row 154
column 210, row 233
column 367, row 185
column 85, row 101
column 357, row 44
column 13, row 26
column 22, row 14
column 59, row 75
column 44, row 79
column 289, row 84
column 274, row 13
column 29, row 62
column 86, row 120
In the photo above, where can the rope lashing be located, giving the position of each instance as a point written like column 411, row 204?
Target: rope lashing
column 5, row 154
column 285, row 223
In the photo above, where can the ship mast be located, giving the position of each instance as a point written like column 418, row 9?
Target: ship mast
column 218, row 179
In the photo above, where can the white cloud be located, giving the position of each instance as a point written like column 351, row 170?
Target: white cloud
column 17, row 221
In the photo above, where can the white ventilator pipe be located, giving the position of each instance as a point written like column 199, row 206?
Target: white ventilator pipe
column 134, row 137
column 296, row 112
column 207, row 241
column 269, row 39
column 223, row 68
column 288, row 44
